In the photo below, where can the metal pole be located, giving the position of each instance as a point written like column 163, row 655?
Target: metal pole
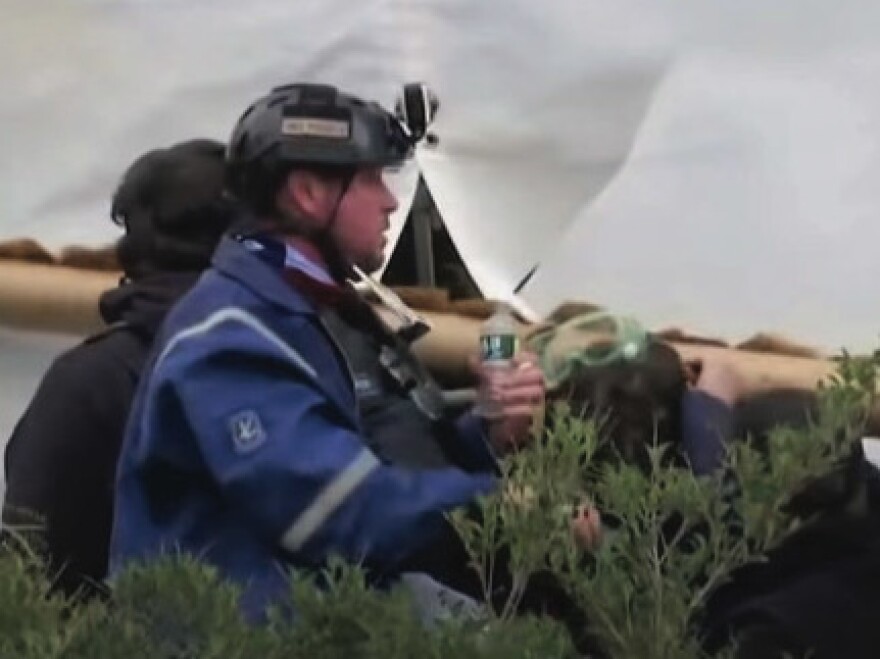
column 423, row 236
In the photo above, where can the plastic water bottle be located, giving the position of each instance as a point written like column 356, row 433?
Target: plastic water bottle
column 499, row 343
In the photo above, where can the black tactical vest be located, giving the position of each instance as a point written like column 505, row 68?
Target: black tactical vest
column 400, row 405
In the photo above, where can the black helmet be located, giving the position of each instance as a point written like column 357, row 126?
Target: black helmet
column 311, row 126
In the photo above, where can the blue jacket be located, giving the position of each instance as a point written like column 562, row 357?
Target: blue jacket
column 707, row 426
column 244, row 446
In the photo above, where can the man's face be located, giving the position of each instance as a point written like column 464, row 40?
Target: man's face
column 362, row 220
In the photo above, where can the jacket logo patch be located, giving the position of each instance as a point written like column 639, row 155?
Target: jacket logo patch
column 246, row 431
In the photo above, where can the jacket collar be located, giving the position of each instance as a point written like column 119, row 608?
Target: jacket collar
column 240, row 259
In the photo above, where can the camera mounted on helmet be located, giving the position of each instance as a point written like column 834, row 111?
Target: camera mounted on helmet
column 318, row 127
column 416, row 109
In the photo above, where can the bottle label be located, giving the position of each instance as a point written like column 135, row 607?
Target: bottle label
column 498, row 347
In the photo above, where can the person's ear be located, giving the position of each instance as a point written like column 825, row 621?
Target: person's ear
column 307, row 194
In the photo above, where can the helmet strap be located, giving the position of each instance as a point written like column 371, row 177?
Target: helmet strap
column 340, row 269
column 284, row 224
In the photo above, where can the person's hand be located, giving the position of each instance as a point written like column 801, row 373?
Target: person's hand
column 586, row 527
column 586, row 522
column 720, row 379
column 520, row 495
column 516, row 394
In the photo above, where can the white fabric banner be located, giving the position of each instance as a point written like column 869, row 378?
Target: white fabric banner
column 705, row 164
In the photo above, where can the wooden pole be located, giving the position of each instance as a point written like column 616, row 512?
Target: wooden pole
column 54, row 298
column 445, row 350
column 51, row 298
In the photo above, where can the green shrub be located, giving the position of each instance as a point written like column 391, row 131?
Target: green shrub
column 676, row 538
column 672, row 540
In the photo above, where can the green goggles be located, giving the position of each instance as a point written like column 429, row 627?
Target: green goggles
column 592, row 339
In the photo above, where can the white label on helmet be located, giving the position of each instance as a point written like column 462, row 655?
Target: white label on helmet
column 315, row 127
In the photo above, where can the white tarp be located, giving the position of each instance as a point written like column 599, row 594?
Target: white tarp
column 700, row 163
column 708, row 164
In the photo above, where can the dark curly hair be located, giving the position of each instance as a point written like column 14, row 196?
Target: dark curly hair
column 639, row 402
column 173, row 207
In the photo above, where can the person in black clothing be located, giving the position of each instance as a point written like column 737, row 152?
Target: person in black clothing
column 816, row 594
column 60, row 462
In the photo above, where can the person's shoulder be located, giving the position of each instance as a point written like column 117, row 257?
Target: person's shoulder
column 232, row 320
column 218, row 304
column 95, row 356
column 90, row 375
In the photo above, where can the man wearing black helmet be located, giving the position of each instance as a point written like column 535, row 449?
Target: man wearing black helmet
column 282, row 422
column 61, row 458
